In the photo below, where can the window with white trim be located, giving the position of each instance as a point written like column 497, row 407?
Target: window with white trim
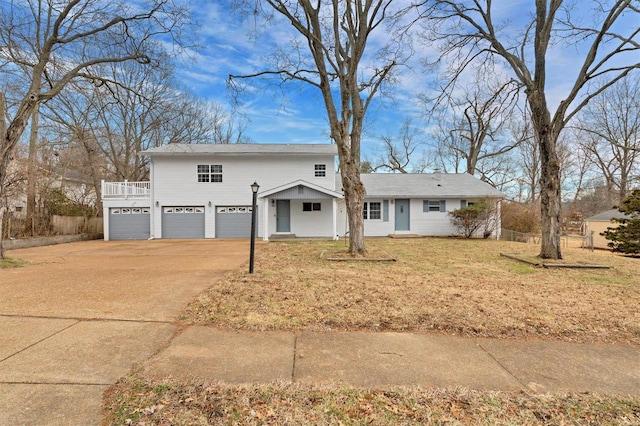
column 372, row 210
column 209, row 172
column 320, row 170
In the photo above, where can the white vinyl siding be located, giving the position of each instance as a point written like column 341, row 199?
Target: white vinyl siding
column 173, row 183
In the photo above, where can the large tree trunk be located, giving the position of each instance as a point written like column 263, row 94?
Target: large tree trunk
column 32, row 173
column 10, row 136
column 550, row 199
column 4, row 161
column 2, row 210
column 354, row 193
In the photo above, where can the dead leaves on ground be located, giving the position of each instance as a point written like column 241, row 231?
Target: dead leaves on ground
column 142, row 401
column 461, row 287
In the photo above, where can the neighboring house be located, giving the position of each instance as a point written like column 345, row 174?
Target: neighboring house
column 599, row 223
column 203, row 191
column 74, row 185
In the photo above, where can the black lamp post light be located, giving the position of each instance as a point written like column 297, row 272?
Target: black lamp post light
column 254, row 207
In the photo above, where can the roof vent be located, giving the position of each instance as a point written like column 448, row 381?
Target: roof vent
column 436, row 174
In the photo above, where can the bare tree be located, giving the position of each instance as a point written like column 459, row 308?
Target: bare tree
column 330, row 53
column 610, row 124
column 54, row 43
column 110, row 127
column 468, row 33
column 403, row 156
column 529, row 162
column 479, row 122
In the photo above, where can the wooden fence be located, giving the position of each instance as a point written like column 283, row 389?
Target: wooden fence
column 72, row 225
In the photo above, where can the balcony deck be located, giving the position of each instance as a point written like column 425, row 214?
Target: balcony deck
column 126, row 190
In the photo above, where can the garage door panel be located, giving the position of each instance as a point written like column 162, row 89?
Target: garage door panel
column 233, row 222
column 129, row 223
column 183, row 222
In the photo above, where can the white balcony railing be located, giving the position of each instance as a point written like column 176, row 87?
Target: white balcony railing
column 126, row 189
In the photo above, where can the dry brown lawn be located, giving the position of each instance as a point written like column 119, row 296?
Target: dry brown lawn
column 436, row 285
column 136, row 401
column 443, row 285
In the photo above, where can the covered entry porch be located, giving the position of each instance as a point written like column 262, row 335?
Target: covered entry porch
column 299, row 209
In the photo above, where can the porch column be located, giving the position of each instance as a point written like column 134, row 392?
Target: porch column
column 335, row 218
column 265, row 219
column 105, row 221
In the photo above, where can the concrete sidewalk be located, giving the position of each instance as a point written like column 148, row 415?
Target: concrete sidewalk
column 400, row 359
column 82, row 315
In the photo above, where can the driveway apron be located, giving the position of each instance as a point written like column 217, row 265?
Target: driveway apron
column 82, row 314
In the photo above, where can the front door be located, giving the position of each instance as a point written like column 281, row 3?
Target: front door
column 402, row 215
column 283, row 216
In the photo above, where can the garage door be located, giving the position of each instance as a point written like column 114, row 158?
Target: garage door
column 129, row 223
column 183, row 222
column 233, row 222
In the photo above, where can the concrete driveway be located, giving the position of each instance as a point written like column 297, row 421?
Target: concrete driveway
column 82, row 314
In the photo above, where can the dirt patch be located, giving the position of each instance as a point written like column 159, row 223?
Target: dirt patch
column 134, row 280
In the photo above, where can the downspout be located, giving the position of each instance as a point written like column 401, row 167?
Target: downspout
column 152, row 209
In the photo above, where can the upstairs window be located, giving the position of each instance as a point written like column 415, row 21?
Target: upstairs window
column 209, row 172
column 320, row 170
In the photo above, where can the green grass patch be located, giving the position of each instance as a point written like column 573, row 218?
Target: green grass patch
column 9, row 262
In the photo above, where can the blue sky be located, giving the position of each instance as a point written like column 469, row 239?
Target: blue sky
column 295, row 114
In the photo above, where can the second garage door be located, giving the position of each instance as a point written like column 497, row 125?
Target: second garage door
column 183, row 222
column 233, row 222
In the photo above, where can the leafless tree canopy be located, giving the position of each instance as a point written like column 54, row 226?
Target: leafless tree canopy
column 404, row 153
column 610, row 130
column 330, row 51
column 46, row 44
column 470, row 36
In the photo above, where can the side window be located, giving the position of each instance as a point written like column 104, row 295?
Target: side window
column 434, row 206
column 372, row 210
column 320, row 170
column 311, row 207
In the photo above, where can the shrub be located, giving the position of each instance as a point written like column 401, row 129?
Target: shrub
column 625, row 238
column 523, row 218
column 480, row 216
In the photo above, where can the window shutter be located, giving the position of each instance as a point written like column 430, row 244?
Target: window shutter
column 385, row 210
column 443, row 206
column 463, row 204
column 425, row 206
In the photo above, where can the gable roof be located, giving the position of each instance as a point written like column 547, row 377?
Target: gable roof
column 425, row 185
column 240, row 149
column 606, row 216
column 315, row 188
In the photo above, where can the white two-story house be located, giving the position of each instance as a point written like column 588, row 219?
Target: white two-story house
column 204, row 191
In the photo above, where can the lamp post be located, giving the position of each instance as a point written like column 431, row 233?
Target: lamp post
column 254, row 207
